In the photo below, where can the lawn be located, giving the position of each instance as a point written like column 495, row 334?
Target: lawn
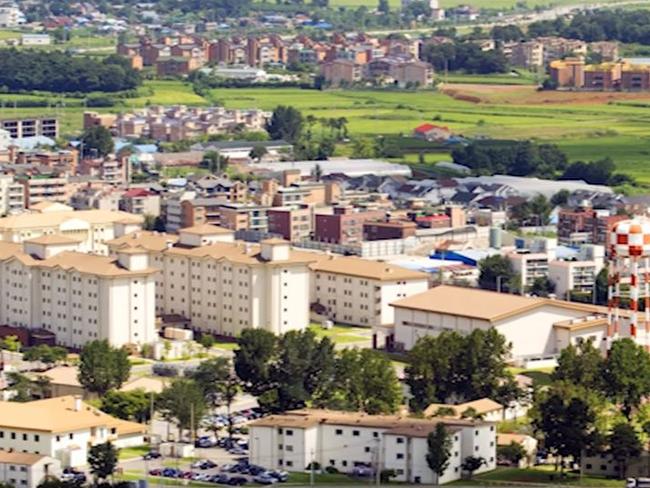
column 133, row 452
column 542, row 474
column 225, row 345
column 342, row 334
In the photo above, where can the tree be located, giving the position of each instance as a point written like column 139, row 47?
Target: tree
column 496, row 273
column 560, row 198
column 581, row 365
column 365, row 381
column 97, row 141
column 542, row 287
column 383, row 7
column 438, row 450
column 128, row 405
column 541, row 209
column 183, row 402
column 215, row 162
column 207, row 341
column 45, row 354
column 363, row 148
column 317, row 173
column 513, row 452
column 286, row 123
column 103, row 367
column 626, row 374
column 10, row 343
column 471, row 464
column 21, row 385
column 565, row 415
column 624, row 445
column 257, row 348
column 102, row 459
column 258, row 152
column 509, row 393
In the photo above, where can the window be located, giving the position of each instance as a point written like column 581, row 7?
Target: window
column 344, row 462
column 400, row 440
column 332, row 462
column 288, row 448
column 289, row 463
column 37, row 438
column 2, row 435
column 366, row 449
column 400, row 455
column 288, row 432
column 13, row 435
column 355, row 433
column 58, row 438
column 71, row 436
column 339, row 431
column 279, row 447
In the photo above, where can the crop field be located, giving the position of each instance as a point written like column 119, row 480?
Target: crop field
column 490, row 4
column 586, row 125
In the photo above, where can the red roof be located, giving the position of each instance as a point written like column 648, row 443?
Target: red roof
column 137, row 192
column 430, row 218
column 424, row 128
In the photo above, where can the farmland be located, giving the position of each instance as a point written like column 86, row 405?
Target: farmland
column 491, row 4
column 586, row 125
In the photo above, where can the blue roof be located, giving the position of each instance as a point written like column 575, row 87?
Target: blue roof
column 140, row 148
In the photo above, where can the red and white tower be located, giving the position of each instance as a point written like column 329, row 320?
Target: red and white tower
column 629, row 264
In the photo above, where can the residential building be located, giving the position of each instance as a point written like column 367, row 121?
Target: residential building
column 292, row 223
column 91, row 228
column 224, row 287
column 243, row 216
column 530, row 266
column 537, row 328
column 635, row 78
column 528, row 54
column 577, row 275
column 356, row 291
column 21, row 469
column 48, row 284
column 377, row 230
column 12, row 196
column 141, row 202
column 605, row 76
column 35, row 40
column 344, row 226
column 31, row 126
column 345, row 440
column 585, row 226
column 43, row 186
column 568, row 73
column 176, row 216
column 61, row 428
column 341, row 72
column 11, row 15
column 432, row 132
column 528, row 442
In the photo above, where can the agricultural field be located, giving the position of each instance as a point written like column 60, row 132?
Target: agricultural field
column 487, row 4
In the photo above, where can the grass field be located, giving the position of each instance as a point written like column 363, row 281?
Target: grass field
column 342, row 334
column 133, row 452
column 537, row 475
column 486, row 4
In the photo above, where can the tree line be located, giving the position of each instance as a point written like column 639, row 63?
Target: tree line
column 464, row 56
column 59, row 72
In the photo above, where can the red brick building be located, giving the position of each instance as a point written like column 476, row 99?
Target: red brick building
column 344, row 226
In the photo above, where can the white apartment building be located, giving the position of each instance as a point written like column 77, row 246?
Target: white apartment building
column 579, row 275
column 223, row 286
column 62, row 428
column 91, row 228
column 46, row 283
column 359, row 292
column 11, row 15
column 345, row 440
column 537, row 328
column 12, row 196
column 173, row 210
column 25, row 470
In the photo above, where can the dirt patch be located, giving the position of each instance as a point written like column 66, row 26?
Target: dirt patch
column 529, row 95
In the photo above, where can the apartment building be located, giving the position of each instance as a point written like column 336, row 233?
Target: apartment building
column 11, row 15
column 62, row 428
column 528, row 54
column 292, row 223
column 90, row 228
column 585, row 226
column 605, row 76
column 377, row 230
column 224, row 287
column 530, row 266
column 46, row 283
column 568, row 73
column 31, row 127
column 341, row 72
column 244, row 216
column 141, row 202
column 577, row 275
column 21, row 469
column 345, row 440
column 635, row 78
column 12, row 196
column 344, row 226
column 359, row 292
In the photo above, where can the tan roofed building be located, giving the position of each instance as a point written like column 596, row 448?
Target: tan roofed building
column 21, row 469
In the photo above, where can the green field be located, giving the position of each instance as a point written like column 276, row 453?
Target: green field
column 536, row 476
column 486, row 4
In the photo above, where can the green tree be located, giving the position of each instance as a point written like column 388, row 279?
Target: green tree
column 513, row 452
column 207, row 341
column 581, row 365
column 626, row 375
column 364, row 148
column 471, row 464
column 496, row 273
column 21, row 386
column 103, row 367
column 45, row 354
column 102, row 459
column 128, row 405
column 541, row 210
column 257, row 349
column 97, row 141
column 366, row 381
column 10, row 343
column 542, row 287
column 508, row 393
column 624, row 446
column 560, row 198
column 183, row 402
column 216, row 163
column 438, row 450
column 286, row 123
column 383, row 7
column 258, row 152
column 566, row 417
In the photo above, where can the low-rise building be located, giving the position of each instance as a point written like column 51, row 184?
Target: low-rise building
column 31, row 127
column 568, row 73
column 62, row 428
column 344, row 226
column 141, row 202
column 27, row 470
column 292, row 223
column 355, row 291
column 346, row 440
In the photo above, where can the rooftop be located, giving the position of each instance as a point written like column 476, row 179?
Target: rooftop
column 149, row 240
column 54, row 219
column 481, row 406
column 24, row 458
column 362, row 268
column 206, row 229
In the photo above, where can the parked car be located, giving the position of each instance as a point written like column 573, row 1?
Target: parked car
column 362, row 471
column 281, row 476
column 237, row 481
column 155, row 472
column 151, row 455
column 264, row 479
column 237, row 451
column 255, row 470
column 220, row 478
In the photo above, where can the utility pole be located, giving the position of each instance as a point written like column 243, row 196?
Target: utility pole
column 311, row 470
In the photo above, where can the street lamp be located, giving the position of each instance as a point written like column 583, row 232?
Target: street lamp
column 499, row 278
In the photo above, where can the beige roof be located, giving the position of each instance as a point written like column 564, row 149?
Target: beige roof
column 63, row 375
column 206, row 229
column 58, row 415
column 482, row 406
column 481, row 304
column 25, row 458
column 581, row 323
column 152, row 241
column 49, row 206
column 72, row 260
column 54, row 219
column 363, row 268
column 53, row 239
column 506, row 439
column 275, row 241
column 310, row 417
